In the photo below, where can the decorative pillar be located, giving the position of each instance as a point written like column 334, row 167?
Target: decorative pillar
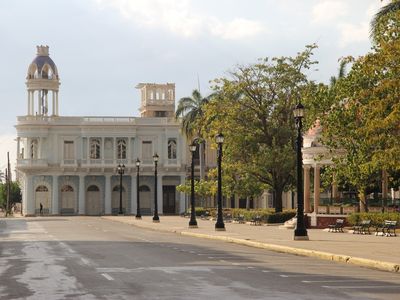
column 160, row 194
column 81, row 194
column 53, row 103
column 29, row 103
column 40, row 103
column 57, row 103
column 307, row 204
column 317, row 169
column 29, row 200
column 108, row 195
column 182, row 198
column 55, row 206
column 18, row 147
column 134, row 194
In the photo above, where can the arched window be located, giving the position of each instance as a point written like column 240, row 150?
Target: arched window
column 95, row 148
column 67, row 188
column 121, row 149
column 42, row 188
column 144, row 188
column 93, row 188
column 116, row 188
column 34, row 149
column 172, row 149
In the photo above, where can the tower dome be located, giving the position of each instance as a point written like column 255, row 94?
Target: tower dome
column 42, row 77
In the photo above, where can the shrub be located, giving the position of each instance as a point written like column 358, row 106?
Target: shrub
column 375, row 217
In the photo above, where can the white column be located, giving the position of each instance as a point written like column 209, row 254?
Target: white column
column 316, row 187
column 108, row 195
column 46, row 103
column 114, row 151
column 40, row 102
column 81, row 194
column 54, row 198
column 18, row 147
column 307, row 206
column 57, row 103
column 182, row 198
column 29, row 103
column 159, row 194
column 133, row 193
column 53, row 103
column 29, row 201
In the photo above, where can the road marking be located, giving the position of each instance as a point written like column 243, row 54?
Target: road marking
column 250, row 267
column 236, row 264
column 108, row 277
column 265, row 271
column 344, row 280
column 221, row 260
column 85, row 261
column 362, row 287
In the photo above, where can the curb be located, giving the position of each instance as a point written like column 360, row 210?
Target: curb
column 341, row 258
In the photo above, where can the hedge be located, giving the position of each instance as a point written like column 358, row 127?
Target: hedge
column 375, row 217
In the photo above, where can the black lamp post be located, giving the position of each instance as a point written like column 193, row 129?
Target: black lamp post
column 138, row 215
column 300, row 233
column 192, row 222
column 219, row 226
column 156, row 219
column 121, row 170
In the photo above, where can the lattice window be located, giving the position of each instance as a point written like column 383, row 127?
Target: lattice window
column 95, row 146
column 42, row 188
column 121, row 149
column 172, row 149
column 67, row 188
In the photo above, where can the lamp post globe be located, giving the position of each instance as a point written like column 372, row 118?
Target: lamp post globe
column 192, row 222
column 156, row 218
column 219, row 225
column 138, row 215
column 300, row 232
column 121, row 170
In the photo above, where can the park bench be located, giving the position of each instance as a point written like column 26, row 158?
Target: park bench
column 337, row 227
column 388, row 228
column 256, row 221
column 363, row 227
column 206, row 215
column 228, row 218
column 240, row 219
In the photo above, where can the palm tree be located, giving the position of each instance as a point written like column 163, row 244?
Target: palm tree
column 380, row 16
column 191, row 109
column 342, row 73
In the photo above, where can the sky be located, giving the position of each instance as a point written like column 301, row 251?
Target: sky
column 103, row 48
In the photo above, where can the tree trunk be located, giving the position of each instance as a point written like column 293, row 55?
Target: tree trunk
column 247, row 202
column 278, row 200
column 363, row 202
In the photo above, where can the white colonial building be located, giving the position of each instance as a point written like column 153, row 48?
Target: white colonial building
column 68, row 164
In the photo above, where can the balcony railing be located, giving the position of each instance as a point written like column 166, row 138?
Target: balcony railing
column 32, row 162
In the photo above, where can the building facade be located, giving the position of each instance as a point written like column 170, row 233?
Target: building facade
column 67, row 165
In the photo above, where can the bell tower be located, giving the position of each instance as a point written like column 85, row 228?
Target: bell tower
column 42, row 79
column 157, row 100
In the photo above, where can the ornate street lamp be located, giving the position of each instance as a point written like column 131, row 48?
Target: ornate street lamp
column 156, row 219
column 138, row 215
column 300, row 233
column 121, row 170
column 219, row 226
column 192, row 222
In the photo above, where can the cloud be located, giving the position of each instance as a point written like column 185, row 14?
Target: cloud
column 329, row 10
column 179, row 18
column 353, row 33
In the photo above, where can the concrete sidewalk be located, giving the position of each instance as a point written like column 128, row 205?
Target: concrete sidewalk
column 370, row 251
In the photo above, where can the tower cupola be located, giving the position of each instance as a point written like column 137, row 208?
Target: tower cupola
column 42, row 78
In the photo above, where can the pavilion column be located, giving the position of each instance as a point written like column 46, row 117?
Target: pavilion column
column 81, row 194
column 55, row 206
column 53, row 103
column 307, row 204
column 317, row 181
column 108, row 195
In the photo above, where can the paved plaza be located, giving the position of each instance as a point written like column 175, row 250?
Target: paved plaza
column 364, row 250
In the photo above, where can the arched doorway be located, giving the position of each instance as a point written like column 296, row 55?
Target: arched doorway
column 93, row 201
column 68, row 200
column 42, row 196
column 115, row 200
column 145, row 200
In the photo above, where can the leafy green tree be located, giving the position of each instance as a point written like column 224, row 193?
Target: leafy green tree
column 254, row 110
column 385, row 24
column 15, row 194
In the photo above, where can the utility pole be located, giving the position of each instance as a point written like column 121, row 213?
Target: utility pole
column 8, row 182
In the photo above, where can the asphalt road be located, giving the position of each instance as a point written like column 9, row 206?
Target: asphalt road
column 93, row 258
